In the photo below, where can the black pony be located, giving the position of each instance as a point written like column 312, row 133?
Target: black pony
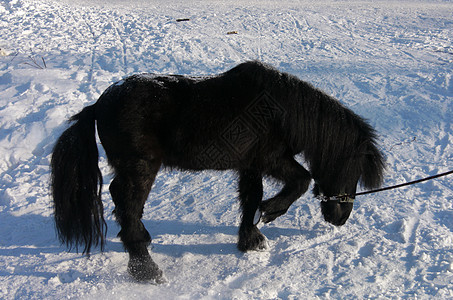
column 252, row 119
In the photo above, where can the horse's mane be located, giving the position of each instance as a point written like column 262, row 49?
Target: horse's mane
column 336, row 142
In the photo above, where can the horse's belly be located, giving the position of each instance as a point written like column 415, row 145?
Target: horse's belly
column 210, row 156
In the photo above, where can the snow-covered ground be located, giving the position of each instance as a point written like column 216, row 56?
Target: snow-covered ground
column 390, row 61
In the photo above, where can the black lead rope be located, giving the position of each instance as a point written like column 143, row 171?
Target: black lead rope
column 392, row 187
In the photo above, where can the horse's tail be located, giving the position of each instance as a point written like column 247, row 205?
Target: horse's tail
column 76, row 185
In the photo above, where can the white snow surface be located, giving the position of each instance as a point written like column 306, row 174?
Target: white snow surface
column 389, row 61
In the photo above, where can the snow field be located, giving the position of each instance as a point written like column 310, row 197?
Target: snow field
column 389, row 61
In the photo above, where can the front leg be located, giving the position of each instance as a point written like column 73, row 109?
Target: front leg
column 273, row 208
column 296, row 179
column 250, row 195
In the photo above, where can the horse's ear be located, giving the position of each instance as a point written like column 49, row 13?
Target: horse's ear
column 372, row 166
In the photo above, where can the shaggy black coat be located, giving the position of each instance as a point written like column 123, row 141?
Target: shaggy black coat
column 252, row 119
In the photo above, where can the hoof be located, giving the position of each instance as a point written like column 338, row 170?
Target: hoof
column 271, row 210
column 252, row 240
column 144, row 269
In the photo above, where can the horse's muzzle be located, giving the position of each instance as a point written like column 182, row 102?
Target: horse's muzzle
column 335, row 212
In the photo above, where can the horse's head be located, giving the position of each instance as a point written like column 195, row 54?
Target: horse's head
column 335, row 209
column 337, row 188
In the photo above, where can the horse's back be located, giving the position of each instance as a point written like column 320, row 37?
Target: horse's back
column 189, row 122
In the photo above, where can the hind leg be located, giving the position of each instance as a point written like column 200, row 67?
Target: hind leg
column 130, row 189
column 296, row 179
column 250, row 194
